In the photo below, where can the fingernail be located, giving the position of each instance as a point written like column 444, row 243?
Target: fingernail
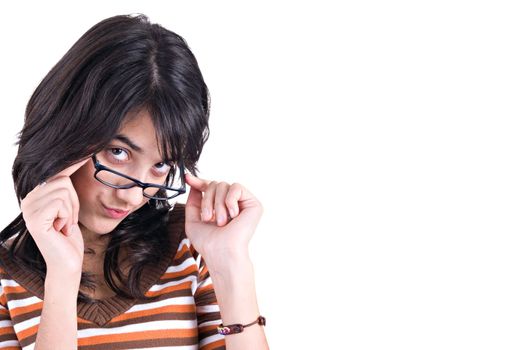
column 232, row 212
column 221, row 219
column 205, row 214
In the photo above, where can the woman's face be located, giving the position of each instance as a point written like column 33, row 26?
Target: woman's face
column 133, row 152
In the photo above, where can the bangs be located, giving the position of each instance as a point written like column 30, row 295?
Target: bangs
column 168, row 129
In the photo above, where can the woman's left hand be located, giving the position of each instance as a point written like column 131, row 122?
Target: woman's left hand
column 220, row 218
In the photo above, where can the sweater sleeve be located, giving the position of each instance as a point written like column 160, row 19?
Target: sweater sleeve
column 208, row 313
column 8, row 339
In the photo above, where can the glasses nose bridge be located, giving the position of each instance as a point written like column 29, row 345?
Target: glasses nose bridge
column 133, row 174
column 130, row 178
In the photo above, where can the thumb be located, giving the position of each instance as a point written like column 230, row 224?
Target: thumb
column 193, row 205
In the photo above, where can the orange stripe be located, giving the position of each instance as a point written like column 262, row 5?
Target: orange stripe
column 7, row 330
column 27, row 332
column 25, row 309
column 81, row 320
column 201, row 290
column 185, row 272
column 182, row 286
column 14, row 290
column 159, row 334
column 181, row 251
column 12, row 348
column 158, row 310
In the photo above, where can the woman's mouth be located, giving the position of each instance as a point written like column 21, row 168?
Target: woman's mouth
column 115, row 213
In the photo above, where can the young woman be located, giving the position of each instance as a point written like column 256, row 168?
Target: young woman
column 99, row 258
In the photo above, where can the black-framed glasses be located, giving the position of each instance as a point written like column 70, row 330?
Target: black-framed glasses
column 113, row 178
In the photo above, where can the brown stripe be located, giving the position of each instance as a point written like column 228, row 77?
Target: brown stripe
column 212, row 316
column 27, row 316
column 18, row 296
column 178, row 278
column 8, row 336
column 28, row 340
column 205, row 298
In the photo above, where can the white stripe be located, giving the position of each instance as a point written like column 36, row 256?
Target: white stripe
column 9, row 283
column 206, row 282
column 139, row 327
column 185, row 242
column 156, row 304
column 29, row 347
column 13, row 304
column 210, row 339
column 158, row 287
column 198, row 261
column 207, row 308
column 7, row 343
column 211, row 323
column 186, row 263
column 21, row 326
column 6, row 323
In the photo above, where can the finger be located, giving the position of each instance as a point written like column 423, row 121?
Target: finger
column 75, row 203
column 61, row 187
column 193, row 205
column 220, row 207
column 208, row 199
column 70, row 169
column 59, row 224
column 56, row 204
column 232, row 199
column 60, row 214
column 67, row 190
column 65, row 209
column 197, row 183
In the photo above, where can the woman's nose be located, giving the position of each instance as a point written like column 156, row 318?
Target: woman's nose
column 132, row 196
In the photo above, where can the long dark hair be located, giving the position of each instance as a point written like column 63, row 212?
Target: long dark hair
column 121, row 64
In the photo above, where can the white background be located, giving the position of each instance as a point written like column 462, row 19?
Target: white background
column 384, row 138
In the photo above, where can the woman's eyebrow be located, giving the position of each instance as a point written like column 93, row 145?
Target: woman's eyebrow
column 130, row 143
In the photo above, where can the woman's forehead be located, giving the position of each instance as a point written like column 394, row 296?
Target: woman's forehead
column 139, row 133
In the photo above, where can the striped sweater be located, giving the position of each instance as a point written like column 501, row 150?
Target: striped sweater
column 184, row 313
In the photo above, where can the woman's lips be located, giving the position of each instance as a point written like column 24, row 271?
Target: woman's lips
column 115, row 213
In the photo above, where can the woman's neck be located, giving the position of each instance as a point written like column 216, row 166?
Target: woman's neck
column 94, row 242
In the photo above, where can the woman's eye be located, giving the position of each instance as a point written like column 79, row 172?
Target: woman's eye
column 162, row 167
column 118, row 154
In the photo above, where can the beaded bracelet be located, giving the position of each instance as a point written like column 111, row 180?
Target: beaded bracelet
column 238, row 328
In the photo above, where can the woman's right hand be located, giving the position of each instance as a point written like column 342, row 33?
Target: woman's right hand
column 51, row 216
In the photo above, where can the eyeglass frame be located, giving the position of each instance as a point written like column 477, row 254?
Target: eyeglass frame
column 99, row 167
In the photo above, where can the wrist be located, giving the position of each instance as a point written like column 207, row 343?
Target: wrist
column 234, row 286
column 227, row 259
column 59, row 280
